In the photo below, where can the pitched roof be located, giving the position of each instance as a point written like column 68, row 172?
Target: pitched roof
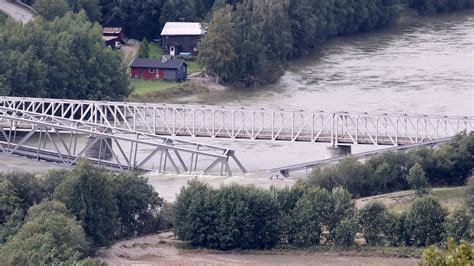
column 157, row 63
column 109, row 38
column 111, row 30
column 183, row 28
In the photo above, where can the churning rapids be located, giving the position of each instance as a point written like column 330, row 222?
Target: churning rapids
column 422, row 65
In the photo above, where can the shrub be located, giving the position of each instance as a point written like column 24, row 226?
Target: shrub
column 424, row 221
column 231, row 217
column 462, row 254
column 50, row 236
column 309, row 215
column 469, row 195
column 137, row 203
column 345, row 233
column 417, row 179
column 373, row 219
column 89, row 195
column 458, row 224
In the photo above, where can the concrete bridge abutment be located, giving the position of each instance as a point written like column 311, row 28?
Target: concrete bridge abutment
column 338, row 151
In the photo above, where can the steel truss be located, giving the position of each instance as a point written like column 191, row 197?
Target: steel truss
column 55, row 139
column 339, row 128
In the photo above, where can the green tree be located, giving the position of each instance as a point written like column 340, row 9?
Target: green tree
column 425, row 220
column 64, row 58
column 89, row 195
column 216, row 51
column 91, row 7
column 417, row 179
column 137, row 204
column 51, row 9
column 343, row 209
column 144, row 50
column 194, row 216
column 469, row 195
column 47, row 237
column 247, row 218
column 459, row 224
column 345, row 233
column 309, row 215
column 373, row 219
column 9, row 201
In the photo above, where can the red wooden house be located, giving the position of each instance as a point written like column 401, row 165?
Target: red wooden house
column 166, row 69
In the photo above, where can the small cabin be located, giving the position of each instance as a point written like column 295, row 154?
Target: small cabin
column 182, row 38
column 164, row 69
column 113, row 37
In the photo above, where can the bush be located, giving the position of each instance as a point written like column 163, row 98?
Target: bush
column 231, row 217
column 459, row 225
column 50, row 236
column 309, row 214
column 88, row 194
column 373, row 219
column 462, row 254
column 345, row 233
column 425, row 220
column 417, row 179
column 469, row 195
column 137, row 204
column 450, row 164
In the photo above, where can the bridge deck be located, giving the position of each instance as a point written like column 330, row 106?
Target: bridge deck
column 254, row 123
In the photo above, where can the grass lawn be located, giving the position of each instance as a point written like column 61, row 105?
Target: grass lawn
column 143, row 86
column 3, row 20
column 157, row 52
column 450, row 198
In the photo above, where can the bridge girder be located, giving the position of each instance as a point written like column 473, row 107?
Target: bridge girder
column 46, row 137
column 340, row 128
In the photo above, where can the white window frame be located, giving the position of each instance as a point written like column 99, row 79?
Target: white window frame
column 151, row 70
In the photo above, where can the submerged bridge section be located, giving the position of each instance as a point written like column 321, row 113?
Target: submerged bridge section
column 338, row 129
column 40, row 136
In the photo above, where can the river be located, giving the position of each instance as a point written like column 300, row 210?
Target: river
column 422, row 65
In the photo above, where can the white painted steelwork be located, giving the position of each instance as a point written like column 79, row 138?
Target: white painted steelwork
column 46, row 137
column 340, row 128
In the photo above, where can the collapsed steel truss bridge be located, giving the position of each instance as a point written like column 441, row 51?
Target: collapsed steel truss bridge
column 340, row 128
column 40, row 136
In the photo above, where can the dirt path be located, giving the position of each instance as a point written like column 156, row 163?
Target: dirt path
column 160, row 250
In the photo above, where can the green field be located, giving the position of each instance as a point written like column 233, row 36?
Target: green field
column 144, row 86
column 3, row 20
column 450, row 198
column 155, row 51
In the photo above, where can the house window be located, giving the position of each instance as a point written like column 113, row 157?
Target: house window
column 151, row 70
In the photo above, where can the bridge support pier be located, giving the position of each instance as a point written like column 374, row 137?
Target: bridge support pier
column 338, row 151
column 100, row 149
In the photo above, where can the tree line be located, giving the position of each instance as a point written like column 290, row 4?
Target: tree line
column 61, row 217
column 448, row 165
column 61, row 58
column 239, row 217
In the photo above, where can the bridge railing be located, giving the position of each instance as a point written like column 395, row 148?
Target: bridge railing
column 62, row 140
column 252, row 123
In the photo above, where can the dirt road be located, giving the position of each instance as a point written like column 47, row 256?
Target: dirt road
column 16, row 11
column 159, row 250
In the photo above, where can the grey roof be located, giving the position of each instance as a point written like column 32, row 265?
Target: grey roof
column 157, row 63
column 183, row 28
